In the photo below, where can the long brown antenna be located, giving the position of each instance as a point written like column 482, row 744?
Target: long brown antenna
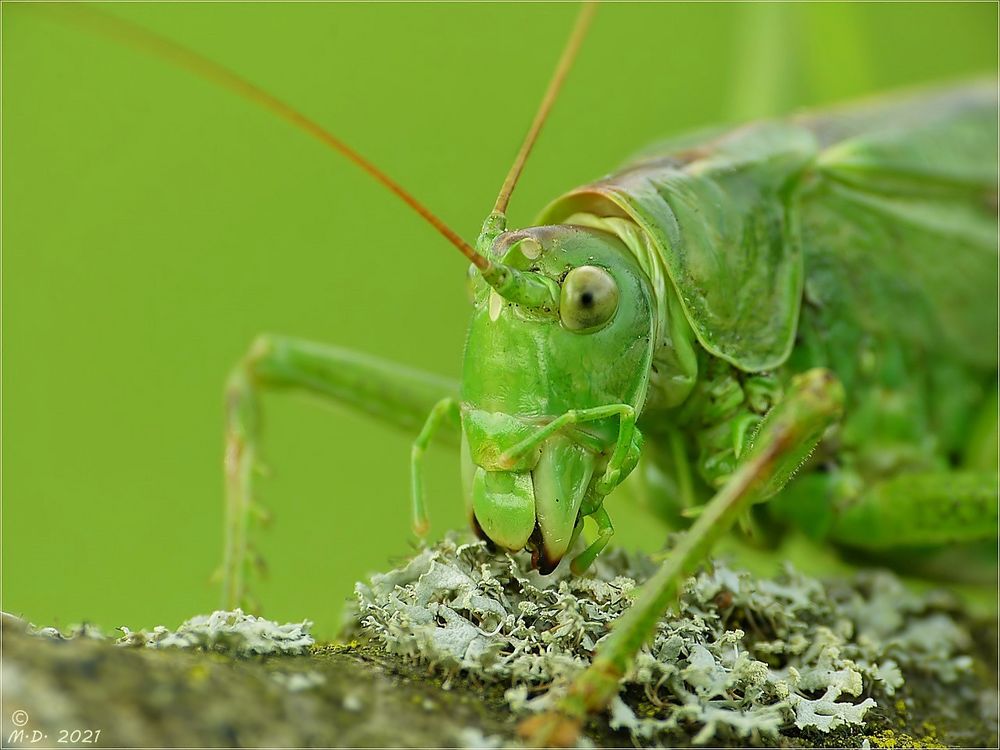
column 143, row 39
column 565, row 63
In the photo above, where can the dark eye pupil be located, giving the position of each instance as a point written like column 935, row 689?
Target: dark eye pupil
column 588, row 299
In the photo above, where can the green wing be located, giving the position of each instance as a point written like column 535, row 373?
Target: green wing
column 900, row 228
column 892, row 203
column 721, row 220
column 942, row 142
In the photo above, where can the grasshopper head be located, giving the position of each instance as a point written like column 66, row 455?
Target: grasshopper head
column 587, row 344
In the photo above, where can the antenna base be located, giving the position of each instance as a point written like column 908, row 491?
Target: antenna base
column 493, row 227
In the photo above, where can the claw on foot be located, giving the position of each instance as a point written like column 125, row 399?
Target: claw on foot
column 550, row 729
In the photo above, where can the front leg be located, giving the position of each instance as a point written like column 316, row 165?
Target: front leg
column 786, row 437
column 392, row 393
column 624, row 458
column 444, row 414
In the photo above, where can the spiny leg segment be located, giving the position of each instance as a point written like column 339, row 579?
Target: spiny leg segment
column 393, row 393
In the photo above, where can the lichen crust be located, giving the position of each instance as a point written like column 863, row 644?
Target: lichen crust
column 740, row 658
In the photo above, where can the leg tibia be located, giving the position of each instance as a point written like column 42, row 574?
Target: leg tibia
column 605, row 530
column 444, row 414
column 242, row 416
column 395, row 394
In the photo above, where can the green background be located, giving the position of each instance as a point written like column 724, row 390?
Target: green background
column 153, row 224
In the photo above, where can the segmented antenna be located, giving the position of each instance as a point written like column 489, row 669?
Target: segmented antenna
column 562, row 68
column 141, row 38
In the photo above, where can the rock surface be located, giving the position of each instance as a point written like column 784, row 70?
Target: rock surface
column 233, row 680
column 332, row 696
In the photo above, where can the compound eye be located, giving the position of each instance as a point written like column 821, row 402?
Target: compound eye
column 589, row 298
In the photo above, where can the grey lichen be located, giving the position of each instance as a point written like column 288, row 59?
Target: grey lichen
column 230, row 632
column 740, row 657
